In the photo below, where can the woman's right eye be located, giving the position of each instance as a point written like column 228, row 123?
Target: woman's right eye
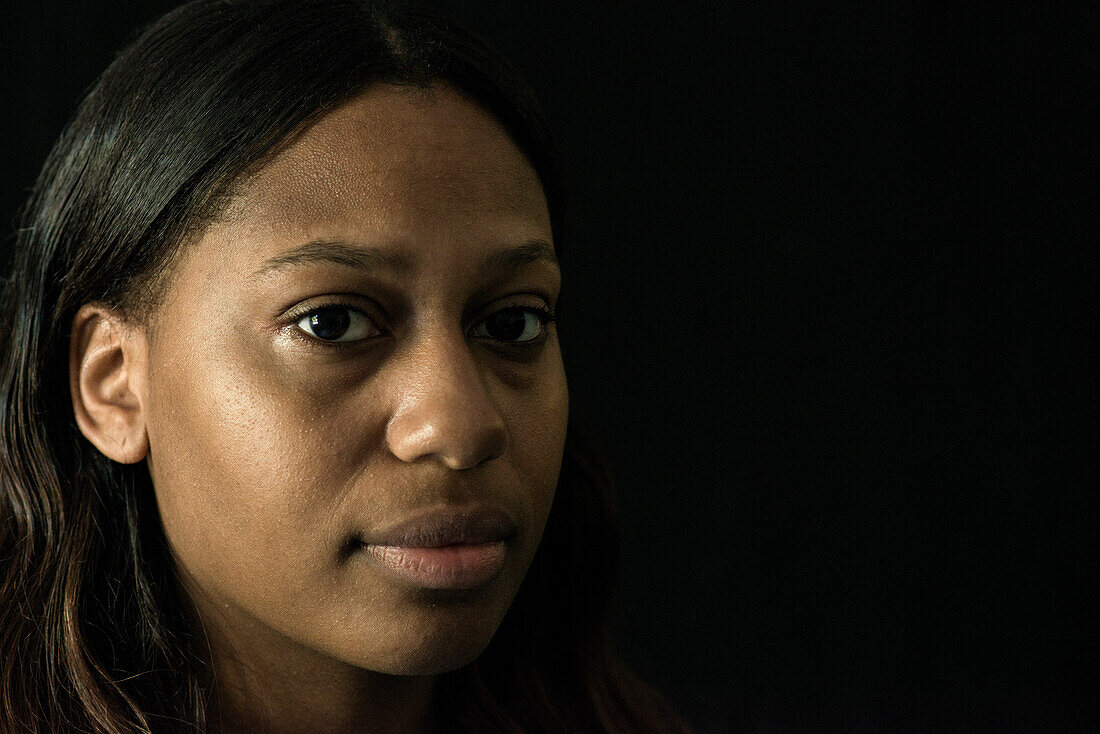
column 336, row 323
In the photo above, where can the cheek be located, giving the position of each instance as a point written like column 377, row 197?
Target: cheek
column 248, row 466
column 537, row 418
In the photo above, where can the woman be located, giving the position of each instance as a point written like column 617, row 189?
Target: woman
column 285, row 420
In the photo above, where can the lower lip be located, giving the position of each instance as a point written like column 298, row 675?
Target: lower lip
column 465, row 566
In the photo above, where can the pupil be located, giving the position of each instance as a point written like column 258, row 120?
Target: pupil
column 330, row 323
column 511, row 324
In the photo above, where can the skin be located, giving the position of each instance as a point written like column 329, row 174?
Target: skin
column 271, row 451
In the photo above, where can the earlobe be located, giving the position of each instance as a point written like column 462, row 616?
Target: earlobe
column 107, row 362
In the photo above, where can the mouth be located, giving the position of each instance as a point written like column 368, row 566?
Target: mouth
column 444, row 549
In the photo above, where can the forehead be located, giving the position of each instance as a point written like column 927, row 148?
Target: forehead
column 400, row 162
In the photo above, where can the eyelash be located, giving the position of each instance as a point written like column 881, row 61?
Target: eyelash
column 546, row 315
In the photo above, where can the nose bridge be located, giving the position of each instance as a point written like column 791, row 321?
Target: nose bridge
column 445, row 410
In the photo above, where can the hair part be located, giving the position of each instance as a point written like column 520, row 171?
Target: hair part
column 93, row 632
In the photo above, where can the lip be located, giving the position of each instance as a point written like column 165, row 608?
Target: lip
column 444, row 549
column 446, row 526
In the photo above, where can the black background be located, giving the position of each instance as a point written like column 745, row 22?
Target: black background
column 828, row 317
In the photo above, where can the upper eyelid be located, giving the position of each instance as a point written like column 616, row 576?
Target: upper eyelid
column 347, row 300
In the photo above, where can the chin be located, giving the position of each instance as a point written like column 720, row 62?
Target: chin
column 432, row 656
column 434, row 663
column 438, row 642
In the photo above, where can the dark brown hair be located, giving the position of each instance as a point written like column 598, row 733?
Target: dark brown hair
column 92, row 637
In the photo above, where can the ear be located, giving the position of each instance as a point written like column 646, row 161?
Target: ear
column 107, row 364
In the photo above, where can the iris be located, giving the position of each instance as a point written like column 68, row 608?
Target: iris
column 507, row 325
column 512, row 325
column 330, row 323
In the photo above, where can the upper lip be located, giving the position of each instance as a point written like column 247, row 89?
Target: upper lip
column 447, row 526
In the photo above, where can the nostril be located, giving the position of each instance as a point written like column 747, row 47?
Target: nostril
column 491, row 447
column 461, row 441
column 475, row 450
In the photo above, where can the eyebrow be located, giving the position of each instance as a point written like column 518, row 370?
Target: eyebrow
column 377, row 258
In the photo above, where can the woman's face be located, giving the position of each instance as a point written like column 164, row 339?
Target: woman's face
column 350, row 367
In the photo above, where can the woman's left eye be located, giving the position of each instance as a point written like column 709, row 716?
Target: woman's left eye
column 336, row 324
column 516, row 324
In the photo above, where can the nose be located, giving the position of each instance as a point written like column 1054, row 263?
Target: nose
column 444, row 411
